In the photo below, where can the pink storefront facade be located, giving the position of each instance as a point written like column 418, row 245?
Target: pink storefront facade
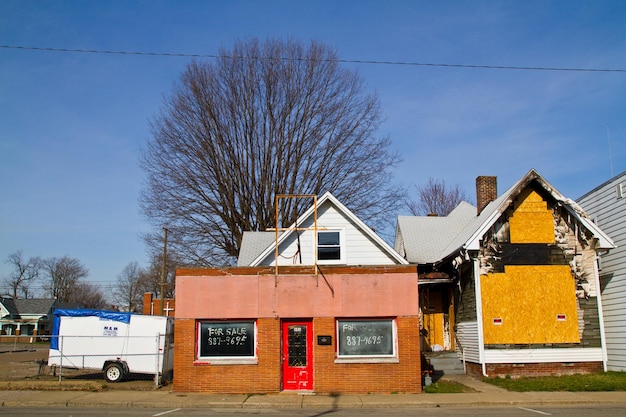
column 340, row 330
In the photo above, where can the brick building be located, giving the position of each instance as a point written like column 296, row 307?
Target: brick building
column 152, row 306
column 325, row 307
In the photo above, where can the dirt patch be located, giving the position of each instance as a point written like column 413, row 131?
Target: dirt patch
column 21, row 364
column 27, row 369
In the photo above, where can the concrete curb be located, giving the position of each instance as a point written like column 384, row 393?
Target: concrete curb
column 168, row 400
column 91, row 394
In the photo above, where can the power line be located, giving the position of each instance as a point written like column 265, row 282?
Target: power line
column 344, row 61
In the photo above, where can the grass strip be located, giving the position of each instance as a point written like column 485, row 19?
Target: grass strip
column 603, row 381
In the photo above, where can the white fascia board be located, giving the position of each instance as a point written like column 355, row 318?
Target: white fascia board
column 473, row 243
column 604, row 241
column 347, row 213
column 384, row 245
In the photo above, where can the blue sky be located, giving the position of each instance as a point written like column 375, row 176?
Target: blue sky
column 72, row 124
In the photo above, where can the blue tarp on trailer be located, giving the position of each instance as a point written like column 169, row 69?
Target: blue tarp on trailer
column 102, row 314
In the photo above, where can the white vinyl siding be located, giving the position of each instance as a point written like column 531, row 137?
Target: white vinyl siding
column 614, row 305
column 467, row 338
column 543, row 355
column 359, row 248
column 609, row 213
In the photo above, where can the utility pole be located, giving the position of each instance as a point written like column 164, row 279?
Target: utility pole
column 163, row 264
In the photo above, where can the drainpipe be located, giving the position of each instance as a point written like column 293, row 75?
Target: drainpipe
column 479, row 316
column 596, row 277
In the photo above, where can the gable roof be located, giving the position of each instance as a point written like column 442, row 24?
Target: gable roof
column 423, row 238
column 9, row 305
column 35, row 306
column 257, row 246
column 469, row 236
column 253, row 244
column 29, row 306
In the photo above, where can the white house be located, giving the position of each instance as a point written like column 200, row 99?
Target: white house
column 606, row 205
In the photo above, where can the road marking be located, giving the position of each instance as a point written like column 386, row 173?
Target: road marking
column 166, row 412
column 534, row 411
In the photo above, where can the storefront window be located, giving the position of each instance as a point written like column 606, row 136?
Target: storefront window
column 226, row 341
column 366, row 339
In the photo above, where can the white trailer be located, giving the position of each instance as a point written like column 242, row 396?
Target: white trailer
column 119, row 344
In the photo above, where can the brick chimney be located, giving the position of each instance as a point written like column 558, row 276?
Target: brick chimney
column 486, row 191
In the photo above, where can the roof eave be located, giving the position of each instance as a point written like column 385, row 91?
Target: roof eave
column 310, row 211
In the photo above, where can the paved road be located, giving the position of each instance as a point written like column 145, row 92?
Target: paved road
column 509, row 411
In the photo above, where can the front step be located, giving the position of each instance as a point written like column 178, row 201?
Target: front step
column 446, row 363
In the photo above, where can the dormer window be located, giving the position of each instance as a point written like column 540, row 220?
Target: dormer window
column 329, row 247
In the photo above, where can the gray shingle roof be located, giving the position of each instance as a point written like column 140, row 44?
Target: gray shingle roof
column 29, row 307
column 34, row 306
column 424, row 237
column 9, row 304
column 252, row 245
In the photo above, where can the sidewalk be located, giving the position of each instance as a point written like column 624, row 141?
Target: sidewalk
column 486, row 395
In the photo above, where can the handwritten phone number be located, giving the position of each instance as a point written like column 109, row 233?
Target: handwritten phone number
column 363, row 340
column 227, row 340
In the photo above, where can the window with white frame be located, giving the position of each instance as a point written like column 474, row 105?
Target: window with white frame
column 367, row 340
column 226, row 341
column 329, row 246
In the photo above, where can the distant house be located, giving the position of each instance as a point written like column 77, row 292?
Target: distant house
column 27, row 317
column 606, row 205
column 513, row 285
column 323, row 305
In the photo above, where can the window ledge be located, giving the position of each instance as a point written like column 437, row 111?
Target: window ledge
column 364, row 359
column 226, row 361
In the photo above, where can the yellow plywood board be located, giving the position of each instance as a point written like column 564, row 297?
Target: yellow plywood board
column 433, row 324
column 530, row 304
column 532, row 221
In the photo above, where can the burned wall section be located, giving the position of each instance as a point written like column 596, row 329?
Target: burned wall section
column 537, row 235
column 465, row 295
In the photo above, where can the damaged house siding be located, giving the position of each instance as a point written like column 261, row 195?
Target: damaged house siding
column 537, row 291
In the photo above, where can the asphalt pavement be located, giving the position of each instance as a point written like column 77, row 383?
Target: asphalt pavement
column 484, row 395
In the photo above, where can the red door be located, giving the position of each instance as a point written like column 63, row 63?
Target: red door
column 297, row 355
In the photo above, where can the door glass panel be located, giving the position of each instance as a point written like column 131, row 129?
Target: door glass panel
column 297, row 345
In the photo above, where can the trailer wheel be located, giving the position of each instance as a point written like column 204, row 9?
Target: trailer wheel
column 114, row 372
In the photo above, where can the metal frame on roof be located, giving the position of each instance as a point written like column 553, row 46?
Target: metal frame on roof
column 295, row 228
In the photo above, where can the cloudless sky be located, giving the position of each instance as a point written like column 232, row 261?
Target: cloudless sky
column 72, row 124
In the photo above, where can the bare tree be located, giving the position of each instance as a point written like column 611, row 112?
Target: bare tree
column 88, row 296
column 64, row 274
column 435, row 198
column 24, row 272
column 277, row 117
column 128, row 289
column 152, row 275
